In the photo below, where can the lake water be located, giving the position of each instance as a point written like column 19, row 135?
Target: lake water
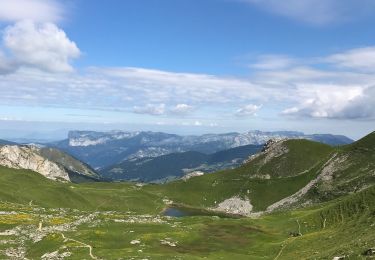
column 179, row 212
column 175, row 212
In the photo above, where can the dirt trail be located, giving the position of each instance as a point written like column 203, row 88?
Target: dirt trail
column 79, row 242
column 288, row 241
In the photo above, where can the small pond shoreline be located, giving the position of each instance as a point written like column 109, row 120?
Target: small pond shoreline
column 180, row 210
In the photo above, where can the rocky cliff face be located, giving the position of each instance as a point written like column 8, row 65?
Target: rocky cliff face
column 51, row 163
column 27, row 157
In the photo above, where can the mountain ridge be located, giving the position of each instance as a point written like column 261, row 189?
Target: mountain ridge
column 176, row 165
column 103, row 149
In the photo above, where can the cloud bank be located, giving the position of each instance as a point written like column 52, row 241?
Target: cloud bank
column 301, row 89
column 317, row 12
column 33, row 10
column 36, row 70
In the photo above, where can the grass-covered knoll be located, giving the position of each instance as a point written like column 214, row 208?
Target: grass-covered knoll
column 23, row 186
column 351, row 169
column 286, row 158
column 366, row 143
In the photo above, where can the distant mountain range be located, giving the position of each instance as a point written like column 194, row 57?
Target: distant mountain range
column 5, row 142
column 176, row 165
column 104, row 149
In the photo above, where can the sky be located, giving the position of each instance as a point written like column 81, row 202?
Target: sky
column 186, row 66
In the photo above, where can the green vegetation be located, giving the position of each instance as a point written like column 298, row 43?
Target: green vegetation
column 124, row 220
column 292, row 158
column 23, row 186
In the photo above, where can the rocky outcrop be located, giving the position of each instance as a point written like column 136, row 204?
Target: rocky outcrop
column 192, row 174
column 27, row 157
column 235, row 205
column 273, row 148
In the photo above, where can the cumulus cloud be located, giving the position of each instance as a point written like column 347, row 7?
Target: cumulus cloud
column 335, row 102
column 6, row 65
column 181, row 109
column 317, row 12
column 35, row 10
column 150, row 109
column 248, row 110
column 43, row 46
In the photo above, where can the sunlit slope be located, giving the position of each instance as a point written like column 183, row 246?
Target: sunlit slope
column 340, row 227
column 351, row 169
column 279, row 171
column 27, row 187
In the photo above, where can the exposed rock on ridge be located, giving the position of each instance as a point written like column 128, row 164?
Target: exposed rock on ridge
column 26, row 157
column 273, row 148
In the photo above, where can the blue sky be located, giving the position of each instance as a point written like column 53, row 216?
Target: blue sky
column 187, row 66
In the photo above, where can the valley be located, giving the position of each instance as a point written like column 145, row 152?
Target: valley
column 187, row 130
column 295, row 199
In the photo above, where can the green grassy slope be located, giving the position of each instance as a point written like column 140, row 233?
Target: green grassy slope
column 341, row 226
column 23, row 186
column 352, row 170
column 348, row 229
column 289, row 158
column 287, row 173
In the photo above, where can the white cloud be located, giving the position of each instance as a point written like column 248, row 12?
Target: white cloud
column 361, row 59
column 248, row 110
column 161, row 109
column 150, row 109
column 317, row 12
column 272, row 62
column 301, row 90
column 35, row 10
column 171, row 87
column 43, row 46
column 335, row 102
column 181, row 109
column 6, row 65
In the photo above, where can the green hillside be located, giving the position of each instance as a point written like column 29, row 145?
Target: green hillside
column 110, row 217
column 23, row 186
column 297, row 164
column 286, row 159
column 351, row 169
column 40, row 218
